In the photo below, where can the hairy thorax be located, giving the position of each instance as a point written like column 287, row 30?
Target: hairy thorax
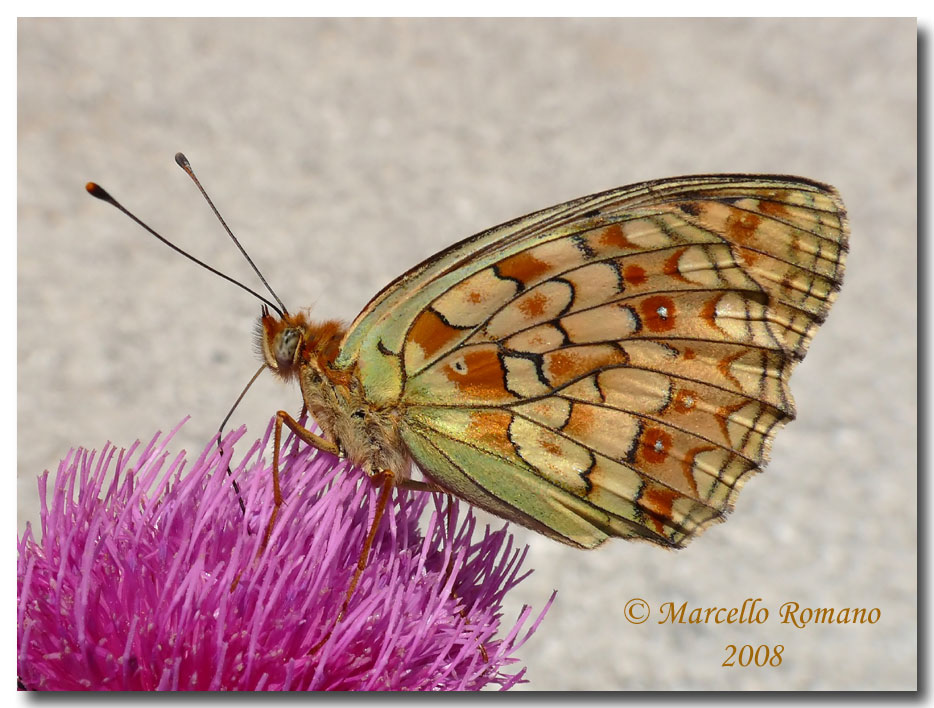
column 368, row 436
column 294, row 347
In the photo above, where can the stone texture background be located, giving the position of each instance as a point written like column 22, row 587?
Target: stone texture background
column 344, row 151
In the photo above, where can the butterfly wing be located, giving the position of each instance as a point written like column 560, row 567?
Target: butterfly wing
column 613, row 366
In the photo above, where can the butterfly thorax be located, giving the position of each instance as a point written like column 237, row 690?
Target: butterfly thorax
column 295, row 347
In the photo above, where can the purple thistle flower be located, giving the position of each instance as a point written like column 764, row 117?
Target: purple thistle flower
column 151, row 581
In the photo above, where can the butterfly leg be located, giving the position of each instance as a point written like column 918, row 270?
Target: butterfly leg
column 414, row 485
column 388, row 480
column 304, row 435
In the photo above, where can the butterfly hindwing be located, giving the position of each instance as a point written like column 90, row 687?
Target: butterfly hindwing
column 613, row 366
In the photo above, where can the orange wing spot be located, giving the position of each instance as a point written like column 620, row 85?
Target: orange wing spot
column 560, row 363
column 475, row 297
column 523, row 267
column 658, row 313
column 431, row 333
column 709, row 311
column 550, row 446
column 723, row 418
column 613, row 236
column 478, row 373
column 655, row 445
column 723, row 366
column 685, row 400
column 490, row 430
column 580, row 423
column 688, row 353
column 634, row 274
column 741, row 228
column 671, row 265
column 564, row 366
column 534, row 305
column 774, row 208
column 660, row 502
column 687, row 466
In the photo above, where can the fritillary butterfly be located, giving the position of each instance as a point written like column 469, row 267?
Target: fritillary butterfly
column 613, row 366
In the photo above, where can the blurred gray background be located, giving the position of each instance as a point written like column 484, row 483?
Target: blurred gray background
column 344, row 151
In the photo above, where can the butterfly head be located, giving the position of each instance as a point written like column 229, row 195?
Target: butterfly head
column 280, row 341
column 291, row 343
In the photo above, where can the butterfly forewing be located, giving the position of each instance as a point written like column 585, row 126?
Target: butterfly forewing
column 613, row 366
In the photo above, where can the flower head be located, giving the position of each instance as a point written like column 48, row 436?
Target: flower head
column 157, row 580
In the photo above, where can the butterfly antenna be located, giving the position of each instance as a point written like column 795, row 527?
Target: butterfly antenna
column 185, row 165
column 220, row 434
column 95, row 190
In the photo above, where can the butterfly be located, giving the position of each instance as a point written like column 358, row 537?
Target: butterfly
column 614, row 366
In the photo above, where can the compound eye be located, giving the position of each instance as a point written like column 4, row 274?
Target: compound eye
column 286, row 344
